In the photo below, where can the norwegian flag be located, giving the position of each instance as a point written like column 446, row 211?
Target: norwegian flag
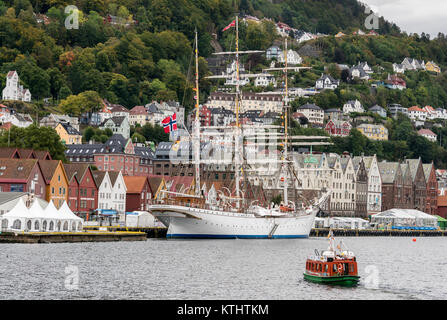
column 170, row 123
column 232, row 24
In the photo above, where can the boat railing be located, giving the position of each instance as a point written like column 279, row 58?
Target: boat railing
column 196, row 205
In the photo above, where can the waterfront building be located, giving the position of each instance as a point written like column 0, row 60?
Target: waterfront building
column 431, row 206
column 343, row 183
column 119, row 192
column 68, row 134
column 138, row 193
column 56, row 181
column 361, row 187
column 405, row 197
column 391, row 175
column 22, row 175
column 82, row 190
column 374, row 202
column 419, row 183
column 105, row 189
column 14, row 90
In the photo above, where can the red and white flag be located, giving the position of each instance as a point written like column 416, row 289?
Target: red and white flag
column 170, row 123
column 232, row 24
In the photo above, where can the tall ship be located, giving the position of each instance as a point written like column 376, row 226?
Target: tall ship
column 231, row 213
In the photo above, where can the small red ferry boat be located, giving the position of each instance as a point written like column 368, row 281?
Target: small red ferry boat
column 332, row 266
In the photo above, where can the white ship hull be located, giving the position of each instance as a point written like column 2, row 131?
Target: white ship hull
column 187, row 222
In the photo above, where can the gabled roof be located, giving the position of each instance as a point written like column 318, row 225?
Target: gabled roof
column 427, row 170
column 16, row 169
column 135, row 184
column 426, row 132
column 113, row 175
column 117, row 121
column 75, row 169
column 413, row 164
column 48, row 168
column 388, row 171
column 98, row 176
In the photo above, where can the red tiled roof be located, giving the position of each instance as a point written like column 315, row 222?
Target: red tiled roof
column 416, row 108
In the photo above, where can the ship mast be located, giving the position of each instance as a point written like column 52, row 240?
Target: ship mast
column 196, row 132
column 237, row 152
column 286, row 142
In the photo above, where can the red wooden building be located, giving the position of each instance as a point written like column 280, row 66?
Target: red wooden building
column 139, row 193
column 82, row 190
column 22, row 175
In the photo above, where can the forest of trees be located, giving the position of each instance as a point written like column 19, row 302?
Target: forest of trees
column 151, row 58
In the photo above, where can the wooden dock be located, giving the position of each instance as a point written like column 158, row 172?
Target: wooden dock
column 68, row 237
column 323, row 232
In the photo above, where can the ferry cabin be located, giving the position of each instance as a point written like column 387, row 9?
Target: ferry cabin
column 331, row 269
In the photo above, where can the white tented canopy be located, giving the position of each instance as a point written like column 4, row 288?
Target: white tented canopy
column 75, row 222
column 37, row 219
column 18, row 218
column 341, row 223
column 405, row 218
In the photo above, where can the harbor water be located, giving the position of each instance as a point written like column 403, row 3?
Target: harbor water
column 390, row 268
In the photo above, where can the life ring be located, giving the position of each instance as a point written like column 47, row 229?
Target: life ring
column 340, row 268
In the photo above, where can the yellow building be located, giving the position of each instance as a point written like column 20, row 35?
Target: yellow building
column 68, row 134
column 55, row 180
column 374, row 131
column 433, row 67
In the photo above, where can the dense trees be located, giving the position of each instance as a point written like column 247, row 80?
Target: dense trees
column 34, row 137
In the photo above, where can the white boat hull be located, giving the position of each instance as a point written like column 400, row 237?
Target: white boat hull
column 187, row 222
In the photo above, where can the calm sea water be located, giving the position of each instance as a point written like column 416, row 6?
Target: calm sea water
column 391, row 268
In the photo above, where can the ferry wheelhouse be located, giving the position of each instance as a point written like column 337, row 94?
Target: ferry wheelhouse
column 332, row 266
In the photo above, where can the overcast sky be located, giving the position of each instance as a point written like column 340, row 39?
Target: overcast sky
column 414, row 16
